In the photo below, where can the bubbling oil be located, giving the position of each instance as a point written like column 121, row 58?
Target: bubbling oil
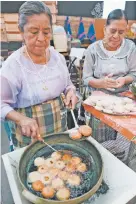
column 87, row 178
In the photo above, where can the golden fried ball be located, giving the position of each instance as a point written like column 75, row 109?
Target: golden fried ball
column 48, row 192
column 75, row 135
column 85, row 130
column 66, row 157
column 81, row 167
column 74, row 180
column 63, row 194
column 38, row 186
column 76, row 160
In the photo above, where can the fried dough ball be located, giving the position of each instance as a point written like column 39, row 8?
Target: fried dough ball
column 37, row 185
column 56, row 155
column 75, row 135
column 54, row 172
column 57, row 183
column 48, row 192
column 64, row 175
column 74, row 180
column 50, row 162
column 85, row 130
column 42, row 169
column 33, row 176
column 66, row 157
column 76, row 160
column 39, row 161
column 70, row 167
column 63, row 194
column 59, row 164
column 46, row 178
column 81, row 167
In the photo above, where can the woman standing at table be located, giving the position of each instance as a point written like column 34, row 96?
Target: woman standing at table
column 33, row 78
column 110, row 66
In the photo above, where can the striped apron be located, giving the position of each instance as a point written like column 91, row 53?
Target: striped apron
column 51, row 118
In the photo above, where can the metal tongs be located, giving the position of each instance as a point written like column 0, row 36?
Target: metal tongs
column 72, row 113
column 76, row 126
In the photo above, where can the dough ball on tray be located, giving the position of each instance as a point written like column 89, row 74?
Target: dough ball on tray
column 119, row 109
column 100, row 108
column 99, row 103
column 130, row 107
column 118, row 102
column 108, row 111
column 134, row 109
column 127, row 100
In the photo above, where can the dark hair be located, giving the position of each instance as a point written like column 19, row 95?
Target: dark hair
column 116, row 14
column 30, row 8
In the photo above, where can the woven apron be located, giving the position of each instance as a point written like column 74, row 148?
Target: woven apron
column 51, row 116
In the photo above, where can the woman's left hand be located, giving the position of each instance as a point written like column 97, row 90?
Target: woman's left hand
column 71, row 99
column 120, row 82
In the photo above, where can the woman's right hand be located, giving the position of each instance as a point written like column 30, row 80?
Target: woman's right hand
column 29, row 127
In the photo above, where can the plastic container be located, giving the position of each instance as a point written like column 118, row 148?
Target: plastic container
column 60, row 39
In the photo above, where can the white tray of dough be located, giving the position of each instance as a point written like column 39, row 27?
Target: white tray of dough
column 112, row 104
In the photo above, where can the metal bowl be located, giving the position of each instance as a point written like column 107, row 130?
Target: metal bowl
column 63, row 142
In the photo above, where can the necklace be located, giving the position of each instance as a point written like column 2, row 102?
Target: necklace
column 43, row 80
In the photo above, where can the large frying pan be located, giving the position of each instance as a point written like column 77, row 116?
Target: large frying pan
column 62, row 141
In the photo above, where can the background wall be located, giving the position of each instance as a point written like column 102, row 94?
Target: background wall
column 81, row 8
column 10, row 6
column 131, row 9
column 11, row 38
